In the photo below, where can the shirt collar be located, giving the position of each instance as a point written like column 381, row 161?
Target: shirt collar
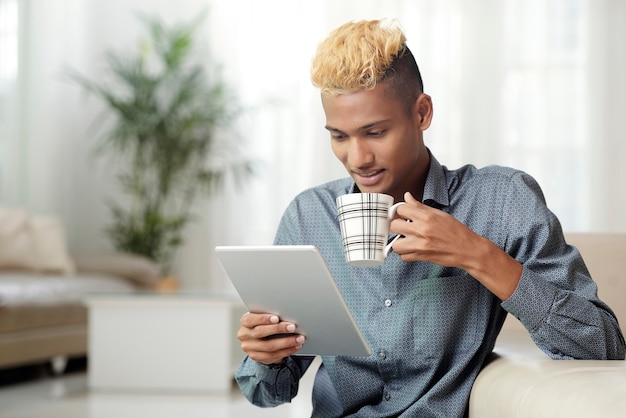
column 436, row 187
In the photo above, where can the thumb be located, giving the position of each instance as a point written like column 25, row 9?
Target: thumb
column 408, row 198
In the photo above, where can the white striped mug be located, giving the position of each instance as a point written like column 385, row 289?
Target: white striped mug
column 364, row 221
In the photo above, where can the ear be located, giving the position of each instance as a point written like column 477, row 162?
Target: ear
column 424, row 109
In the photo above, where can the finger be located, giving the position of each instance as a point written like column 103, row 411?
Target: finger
column 263, row 331
column 271, row 358
column 409, row 210
column 402, row 227
column 283, row 329
column 273, row 351
column 274, row 345
column 408, row 197
column 251, row 320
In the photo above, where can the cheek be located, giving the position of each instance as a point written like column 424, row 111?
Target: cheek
column 398, row 156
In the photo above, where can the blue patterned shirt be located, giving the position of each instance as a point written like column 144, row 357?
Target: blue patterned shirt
column 431, row 327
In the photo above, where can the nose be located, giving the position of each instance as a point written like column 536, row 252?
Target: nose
column 359, row 153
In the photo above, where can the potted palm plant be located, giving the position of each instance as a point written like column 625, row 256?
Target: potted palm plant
column 167, row 113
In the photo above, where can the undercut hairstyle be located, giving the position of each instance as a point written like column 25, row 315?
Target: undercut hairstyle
column 358, row 55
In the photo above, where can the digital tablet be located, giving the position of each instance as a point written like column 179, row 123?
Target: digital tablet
column 294, row 283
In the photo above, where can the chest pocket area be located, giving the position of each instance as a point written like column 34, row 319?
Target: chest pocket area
column 445, row 315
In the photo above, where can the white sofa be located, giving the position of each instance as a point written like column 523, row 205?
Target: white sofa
column 521, row 381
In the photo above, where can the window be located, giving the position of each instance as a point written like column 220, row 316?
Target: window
column 543, row 100
column 8, row 42
column 8, row 80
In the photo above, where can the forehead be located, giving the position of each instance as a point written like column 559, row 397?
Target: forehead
column 361, row 107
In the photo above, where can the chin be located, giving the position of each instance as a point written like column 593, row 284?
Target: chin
column 373, row 190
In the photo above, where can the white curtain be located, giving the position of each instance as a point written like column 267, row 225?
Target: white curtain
column 534, row 84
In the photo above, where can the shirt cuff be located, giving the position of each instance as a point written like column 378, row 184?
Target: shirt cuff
column 532, row 300
column 264, row 372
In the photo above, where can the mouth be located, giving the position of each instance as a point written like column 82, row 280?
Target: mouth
column 369, row 178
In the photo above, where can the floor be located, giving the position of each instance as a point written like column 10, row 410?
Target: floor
column 68, row 396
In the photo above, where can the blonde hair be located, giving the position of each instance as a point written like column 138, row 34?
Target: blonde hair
column 357, row 55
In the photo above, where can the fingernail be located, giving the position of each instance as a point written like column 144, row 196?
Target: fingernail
column 300, row 339
column 291, row 327
column 274, row 319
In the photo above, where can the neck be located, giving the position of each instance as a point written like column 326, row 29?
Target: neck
column 416, row 187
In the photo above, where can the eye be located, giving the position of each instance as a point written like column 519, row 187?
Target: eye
column 337, row 136
column 376, row 133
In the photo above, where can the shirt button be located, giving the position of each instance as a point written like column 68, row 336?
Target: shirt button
column 388, row 302
column 387, row 396
column 382, row 355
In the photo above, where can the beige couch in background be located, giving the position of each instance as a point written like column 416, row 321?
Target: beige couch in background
column 42, row 287
column 522, row 382
column 43, row 317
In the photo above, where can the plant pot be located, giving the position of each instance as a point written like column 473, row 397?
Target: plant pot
column 168, row 284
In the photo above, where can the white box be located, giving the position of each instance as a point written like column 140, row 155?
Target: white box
column 168, row 342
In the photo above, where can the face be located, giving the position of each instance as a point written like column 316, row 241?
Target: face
column 378, row 141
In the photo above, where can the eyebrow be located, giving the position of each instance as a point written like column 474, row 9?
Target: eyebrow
column 361, row 128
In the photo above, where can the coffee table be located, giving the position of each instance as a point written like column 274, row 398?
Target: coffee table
column 184, row 341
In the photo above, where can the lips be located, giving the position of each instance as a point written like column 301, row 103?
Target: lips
column 369, row 178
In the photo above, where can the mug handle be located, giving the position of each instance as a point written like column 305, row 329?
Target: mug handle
column 390, row 214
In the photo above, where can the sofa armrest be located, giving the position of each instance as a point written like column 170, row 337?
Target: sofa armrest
column 521, row 381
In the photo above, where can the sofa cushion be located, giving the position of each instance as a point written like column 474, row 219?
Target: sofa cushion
column 32, row 289
column 521, row 381
column 26, row 318
column 33, row 243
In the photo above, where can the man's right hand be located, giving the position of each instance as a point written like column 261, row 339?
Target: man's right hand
column 256, row 332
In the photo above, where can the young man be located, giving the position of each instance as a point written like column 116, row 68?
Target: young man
column 481, row 243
